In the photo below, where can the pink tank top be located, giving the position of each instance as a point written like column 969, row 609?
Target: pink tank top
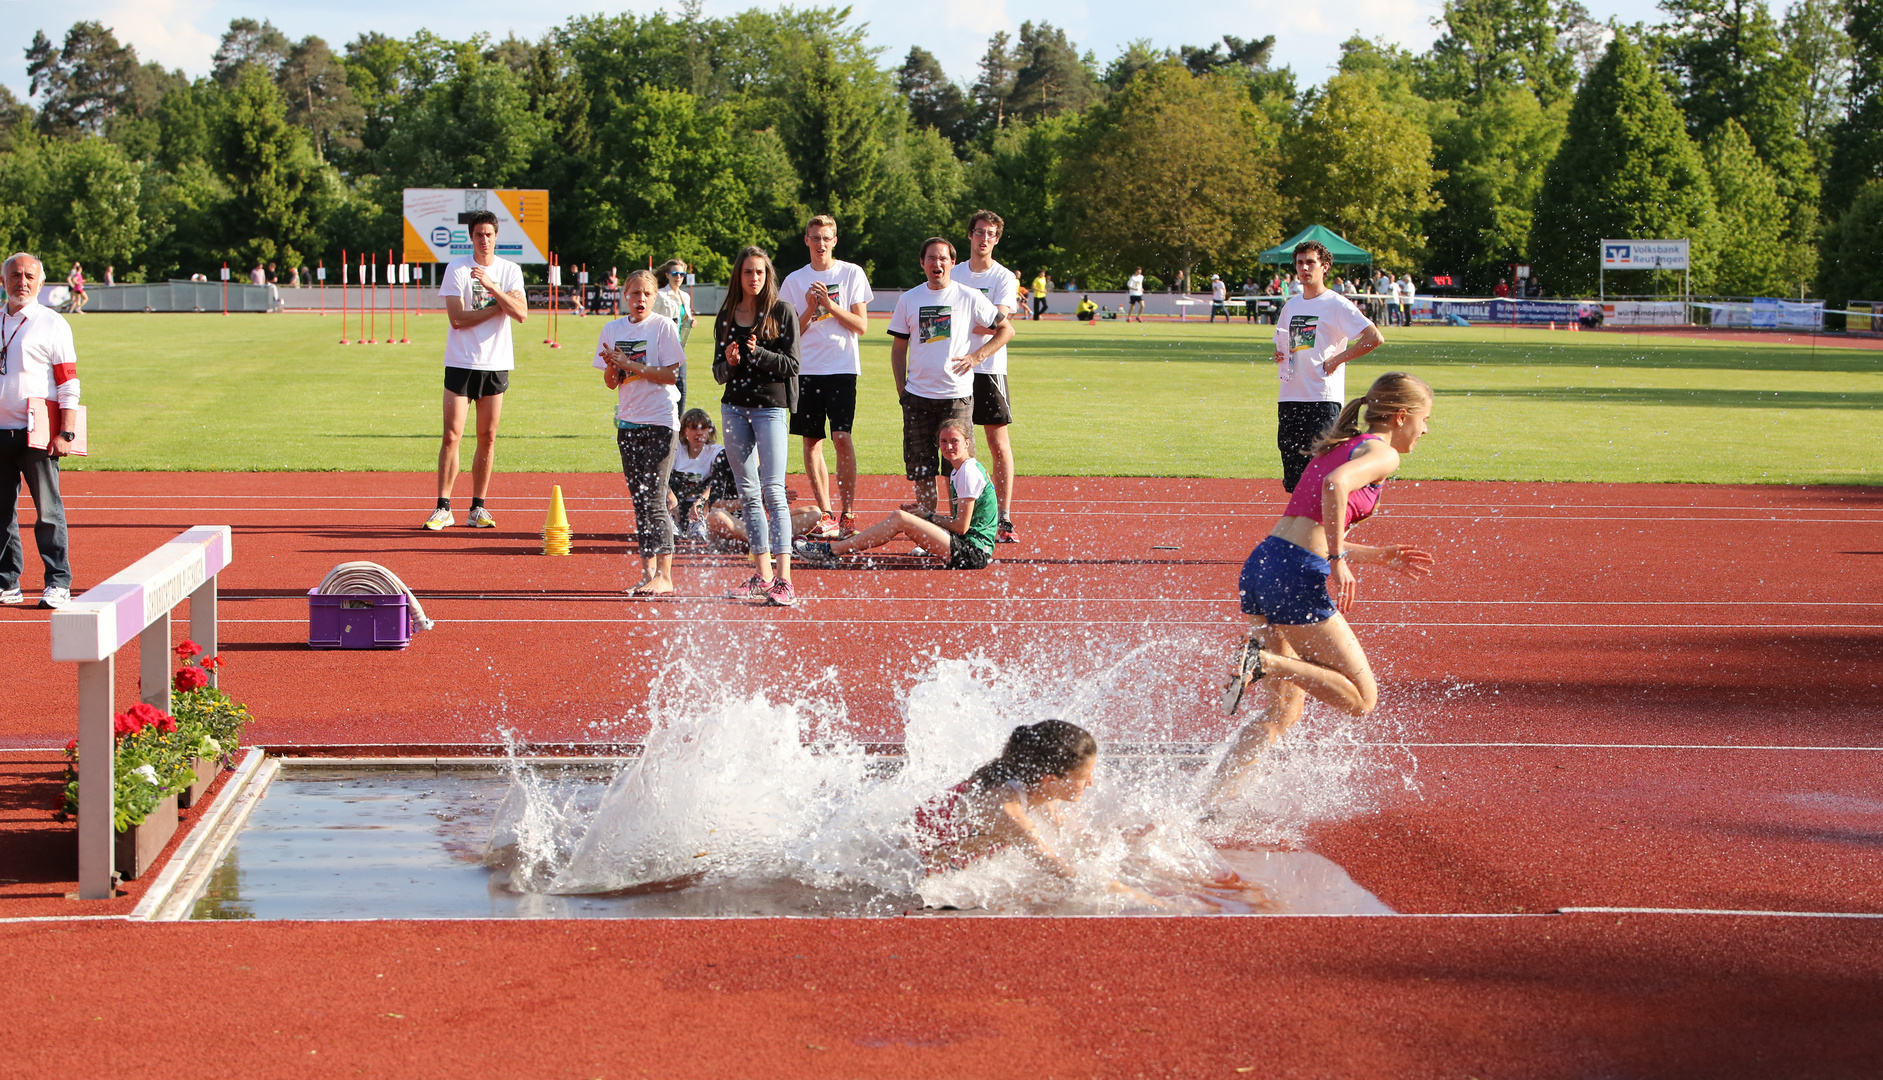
column 1307, row 497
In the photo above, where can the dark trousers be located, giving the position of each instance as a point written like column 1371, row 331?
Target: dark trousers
column 41, row 471
column 1299, row 424
column 646, row 463
column 1039, row 306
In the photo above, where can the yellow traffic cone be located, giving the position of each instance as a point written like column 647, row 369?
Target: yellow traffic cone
column 556, row 534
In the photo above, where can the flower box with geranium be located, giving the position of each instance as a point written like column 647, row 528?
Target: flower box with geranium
column 209, row 720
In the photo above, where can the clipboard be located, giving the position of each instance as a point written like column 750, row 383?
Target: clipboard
column 45, row 419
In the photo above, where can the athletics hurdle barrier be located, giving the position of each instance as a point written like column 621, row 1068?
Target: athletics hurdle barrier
column 133, row 603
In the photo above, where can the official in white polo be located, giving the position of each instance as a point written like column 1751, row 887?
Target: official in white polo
column 37, row 360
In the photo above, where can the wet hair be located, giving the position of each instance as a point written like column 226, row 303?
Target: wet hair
column 821, row 221
column 700, row 418
column 1037, row 751
column 480, row 217
column 638, row 275
column 1327, row 257
column 988, row 216
column 765, row 304
column 965, row 427
column 1391, row 393
column 933, row 240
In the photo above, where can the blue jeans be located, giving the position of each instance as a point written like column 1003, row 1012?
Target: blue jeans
column 761, row 482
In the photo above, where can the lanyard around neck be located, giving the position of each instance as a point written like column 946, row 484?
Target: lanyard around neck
column 7, row 340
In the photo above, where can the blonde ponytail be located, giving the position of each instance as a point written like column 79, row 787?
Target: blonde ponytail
column 1392, row 392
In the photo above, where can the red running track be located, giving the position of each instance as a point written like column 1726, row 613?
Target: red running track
column 1637, row 696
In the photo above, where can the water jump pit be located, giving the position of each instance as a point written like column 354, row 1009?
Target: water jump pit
column 338, row 839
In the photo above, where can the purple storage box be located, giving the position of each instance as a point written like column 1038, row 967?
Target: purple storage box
column 358, row 621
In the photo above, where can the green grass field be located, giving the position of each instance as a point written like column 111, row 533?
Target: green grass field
column 277, row 392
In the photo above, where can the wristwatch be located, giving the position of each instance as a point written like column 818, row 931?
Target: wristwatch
column 68, row 436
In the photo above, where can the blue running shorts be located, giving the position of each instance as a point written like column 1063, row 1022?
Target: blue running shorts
column 1286, row 584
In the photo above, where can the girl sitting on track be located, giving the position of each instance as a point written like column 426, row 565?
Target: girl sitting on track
column 1299, row 639
column 640, row 358
column 964, row 540
column 701, row 477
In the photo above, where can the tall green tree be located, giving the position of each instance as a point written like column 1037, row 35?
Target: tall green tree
column 923, row 185
column 1362, row 170
column 1021, row 176
column 1851, row 266
column 247, row 43
column 1753, row 256
column 1051, row 77
column 1491, row 158
column 1626, row 170
column 314, row 83
column 1174, row 173
column 1857, row 140
column 273, row 178
column 834, row 108
column 933, row 100
column 82, row 83
column 474, row 131
column 1491, row 44
column 993, row 83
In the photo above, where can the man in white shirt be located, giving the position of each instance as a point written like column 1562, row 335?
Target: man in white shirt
column 1318, row 333
column 934, row 361
column 832, row 299
column 993, row 407
column 483, row 295
column 1134, row 295
column 1219, row 298
column 37, row 360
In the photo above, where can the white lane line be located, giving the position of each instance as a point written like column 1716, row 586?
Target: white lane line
column 607, row 599
column 1609, row 746
column 1719, row 911
column 1475, row 519
column 949, row 619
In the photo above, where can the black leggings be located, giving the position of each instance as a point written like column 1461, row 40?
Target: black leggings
column 646, row 463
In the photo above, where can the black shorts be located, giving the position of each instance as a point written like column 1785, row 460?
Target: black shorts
column 991, row 404
column 963, row 555
column 468, row 383
column 921, row 425
column 1300, row 424
column 821, row 398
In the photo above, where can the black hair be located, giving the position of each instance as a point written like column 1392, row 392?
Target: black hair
column 479, row 217
column 1036, row 751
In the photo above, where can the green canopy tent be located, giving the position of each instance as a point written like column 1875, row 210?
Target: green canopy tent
column 1345, row 254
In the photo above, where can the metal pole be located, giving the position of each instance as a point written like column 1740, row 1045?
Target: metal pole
column 97, row 832
column 153, row 662
column 203, row 622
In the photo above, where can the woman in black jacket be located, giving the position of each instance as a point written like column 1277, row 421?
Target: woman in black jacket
column 755, row 355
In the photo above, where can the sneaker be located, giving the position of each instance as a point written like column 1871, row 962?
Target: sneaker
column 1006, row 534
column 755, row 588
column 480, row 519
column 1248, row 670
column 825, row 529
column 780, row 594
column 55, row 597
column 440, row 519
column 846, row 525
column 12, row 596
column 814, row 551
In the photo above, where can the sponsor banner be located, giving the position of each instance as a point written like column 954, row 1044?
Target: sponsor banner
column 433, row 232
column 1644, row 313
column 1864, row 316
column 1430, row 309
column 1645, row 254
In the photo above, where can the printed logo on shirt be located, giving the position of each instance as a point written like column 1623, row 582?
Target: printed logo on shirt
column 633, row 351
column 480, row 296
column 937, row 323
column 1301, row 331
column 836, row 300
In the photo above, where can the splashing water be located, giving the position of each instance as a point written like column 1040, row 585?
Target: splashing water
column 743, row 788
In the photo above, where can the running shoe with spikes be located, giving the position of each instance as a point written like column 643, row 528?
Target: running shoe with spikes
column 846, row 525
column 1248, row 669
column 755, row 588
column 441, row 519
column 1006, row 534
column 825, row 529
column 480, row 519
column 780, row 594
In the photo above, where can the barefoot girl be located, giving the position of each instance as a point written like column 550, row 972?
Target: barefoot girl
column 1299, row 638
column 640, row 358
column 963, row 539
column 755, row 356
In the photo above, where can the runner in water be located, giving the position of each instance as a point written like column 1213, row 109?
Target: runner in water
column 1299, row 639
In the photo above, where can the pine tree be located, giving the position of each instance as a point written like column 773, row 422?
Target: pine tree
column 1851, row 261
column 1857, row 141
column 1753, row 257
column 1626, row 170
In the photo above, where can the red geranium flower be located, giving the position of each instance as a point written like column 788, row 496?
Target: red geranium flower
column 126, row 724
column 149, row 715
column 189, row 649
column 190, row 678
column 209, row 663
column 71, row 746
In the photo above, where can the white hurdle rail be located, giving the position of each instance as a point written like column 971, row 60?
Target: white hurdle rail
column 133, row 603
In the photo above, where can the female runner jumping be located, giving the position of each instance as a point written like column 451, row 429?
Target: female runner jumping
column 1299, row 639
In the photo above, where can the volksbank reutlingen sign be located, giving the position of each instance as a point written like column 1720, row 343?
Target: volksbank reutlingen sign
column 1644, row 254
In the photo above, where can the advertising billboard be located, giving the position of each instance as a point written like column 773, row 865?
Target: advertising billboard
column 435, row 232
column 1644, row 254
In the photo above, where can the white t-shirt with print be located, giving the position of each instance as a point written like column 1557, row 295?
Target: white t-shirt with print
column 1135, row 285
column 653, row 341
column 938, row 324
column 1218, row 291
column 827, row 346
column 1000, row 286
column 701, row 466
column 486, row 346
column 1308, row 332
